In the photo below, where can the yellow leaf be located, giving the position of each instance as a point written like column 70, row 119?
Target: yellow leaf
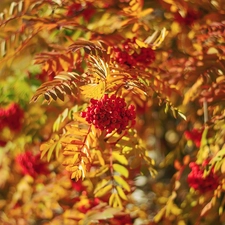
column 135, row 27
column 76, row 175
column 198, row 47
column 71, row 168
column 68, row 161
column 212, row 50
column 120, row 158
column 145, row 12
column 57, row 149
column 118, row 202
column 121, row 169
column 177, row 185
column 157, row 38
column 100, row 68
column 93, row 90
column 175, row 210
column 192, row 92
column 100, row 158
column 122, row 182
column 112, row 199
column 104, row 191
column 141, row 44
column 135, row 7
column 48, row 214
column 99, row 172
column 159, row 215
column 73, row 214
column 181, row 222
column 48, row 147
column 220, row 210
column 121, row 193
column 100, row 185
column 73, row 147
column 44, row 149
column 223, row 166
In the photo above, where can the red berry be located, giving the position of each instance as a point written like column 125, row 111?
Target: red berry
column 83, row 114
column 93, row 101
column 129, row 55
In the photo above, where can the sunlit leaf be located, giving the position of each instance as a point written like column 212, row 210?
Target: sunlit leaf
column 121, row 169
column 121, row 193
column 207, row 207
column 105, row 190
column 122, row 182
column 120, row 158
column 112, row 199
column 93, row 90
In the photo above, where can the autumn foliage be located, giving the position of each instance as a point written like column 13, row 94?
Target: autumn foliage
column 112, row 112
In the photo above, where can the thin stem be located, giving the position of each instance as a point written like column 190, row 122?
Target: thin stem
column 205, row 110
column 111, row 161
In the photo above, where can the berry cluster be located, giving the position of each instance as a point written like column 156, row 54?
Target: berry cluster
column 195, row 136
column 11, row 117
column 199, row 182
column 31, row 164
column 126, row 55
column 110, row 113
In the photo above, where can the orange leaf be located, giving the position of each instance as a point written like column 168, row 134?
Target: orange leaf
column 177, row 165
column 186, row 160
